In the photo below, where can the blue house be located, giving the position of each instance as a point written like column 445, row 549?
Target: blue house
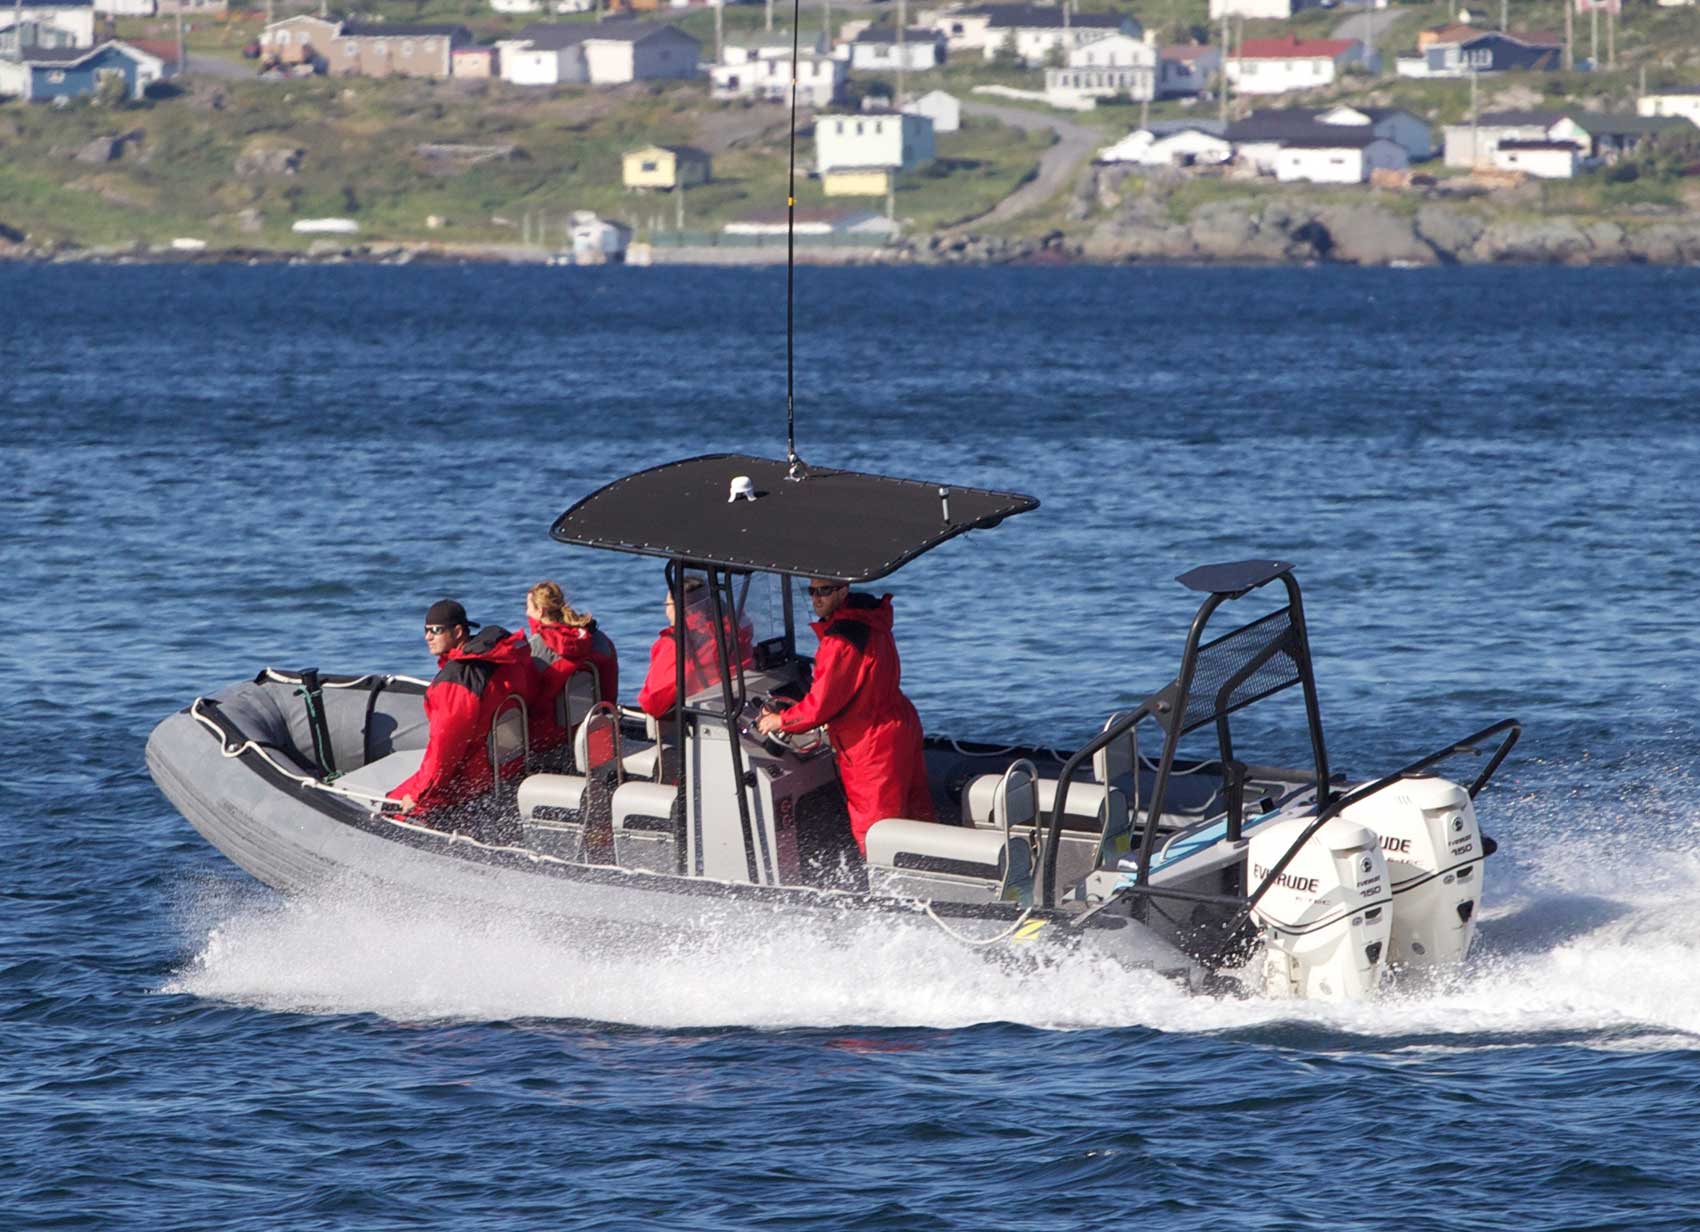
column 48, row 73
column 1493, row 52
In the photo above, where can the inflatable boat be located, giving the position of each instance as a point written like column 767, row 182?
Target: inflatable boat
column 1157, row 842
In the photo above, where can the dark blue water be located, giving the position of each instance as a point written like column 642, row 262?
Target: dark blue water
column 1490, row 481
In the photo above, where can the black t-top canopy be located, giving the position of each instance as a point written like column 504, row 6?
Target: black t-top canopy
column 833, row 524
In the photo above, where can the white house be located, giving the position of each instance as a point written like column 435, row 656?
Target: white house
column 603, row 53
column 876, row 48
column 1472, row 145
column 126, row 8
column 1277, row 65
column 1028, row 32
column 55, row 24
column 1186, row 68
column 1684, row 103
column 942, row 109
column 892, row 140
column 1346, row 159
column 767, row 45
column 1394, row 123
column 1547, row 160
column 820, row 80
column 1108, row 67
column 1173, row 144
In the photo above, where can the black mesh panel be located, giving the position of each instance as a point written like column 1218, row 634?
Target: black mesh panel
column 1241, row 667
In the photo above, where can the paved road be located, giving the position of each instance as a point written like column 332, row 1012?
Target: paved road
column 1057, row 166
column 1368, row 25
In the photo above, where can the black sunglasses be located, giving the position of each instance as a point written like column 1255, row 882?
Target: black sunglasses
column 437, row 630
column 820, row 591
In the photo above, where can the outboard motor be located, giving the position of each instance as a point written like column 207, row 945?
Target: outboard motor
column 1327, row 919
column 1434, row 853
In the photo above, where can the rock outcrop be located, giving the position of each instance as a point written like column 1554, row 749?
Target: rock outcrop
column 261, row 157
column 1120, row 217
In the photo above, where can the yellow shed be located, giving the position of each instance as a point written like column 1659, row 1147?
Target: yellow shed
column 856, row 182
column 666, row 166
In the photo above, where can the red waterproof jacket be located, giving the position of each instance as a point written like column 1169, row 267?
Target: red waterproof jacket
column 557, row 652
column 702, row 666
column 874, row 728
column 473, row 680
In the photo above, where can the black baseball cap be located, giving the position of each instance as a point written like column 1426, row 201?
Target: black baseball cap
column 448, row 612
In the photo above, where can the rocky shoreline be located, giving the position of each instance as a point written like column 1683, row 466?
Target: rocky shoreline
column 1105, row 228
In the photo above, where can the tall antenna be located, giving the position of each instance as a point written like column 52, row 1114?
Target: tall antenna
column 795, row 467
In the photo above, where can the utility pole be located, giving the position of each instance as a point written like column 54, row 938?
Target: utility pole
column 681, row 204
column 720, row 31
column 1641, row 86
column 1504, row 17
column 1593, row 38
column 1569, row 36
column 902, row 20
column 770, row 16
column 182, row 60
column 1222, row 86
column 1611, row 35
column 1475, row 148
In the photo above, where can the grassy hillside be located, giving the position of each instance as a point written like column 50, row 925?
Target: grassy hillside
column 359, row 158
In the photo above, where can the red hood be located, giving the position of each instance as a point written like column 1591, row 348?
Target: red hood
column 568, row 641
column 859, row 609
column 492, row 644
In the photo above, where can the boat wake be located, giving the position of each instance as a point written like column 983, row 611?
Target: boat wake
column 1553, row 960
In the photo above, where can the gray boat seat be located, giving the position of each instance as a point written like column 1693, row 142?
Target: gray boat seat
column 1085, row 801
column 1097, row 829
column 509, row 744
column 383, row 775
column 573, row 703
column 645, row 833
column 924, row 859
column 642, row 764
column 597, row 745
column 646, row 761
column 552, row 814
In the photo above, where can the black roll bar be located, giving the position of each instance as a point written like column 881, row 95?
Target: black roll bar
column 1169, row 707
column 676, row 588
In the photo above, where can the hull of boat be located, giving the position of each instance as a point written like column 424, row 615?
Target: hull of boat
column 301, row 840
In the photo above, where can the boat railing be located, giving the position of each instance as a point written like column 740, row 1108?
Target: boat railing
column 1507, row 730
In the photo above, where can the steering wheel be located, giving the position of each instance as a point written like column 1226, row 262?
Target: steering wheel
column 777, row 742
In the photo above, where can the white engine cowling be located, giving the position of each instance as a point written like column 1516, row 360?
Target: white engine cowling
column 1326, row 921
column 1434, row 853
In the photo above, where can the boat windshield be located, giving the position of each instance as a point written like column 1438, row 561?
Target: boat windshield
column 762, row 650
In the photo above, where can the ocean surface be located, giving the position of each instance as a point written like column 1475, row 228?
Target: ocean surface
column 1489, row 480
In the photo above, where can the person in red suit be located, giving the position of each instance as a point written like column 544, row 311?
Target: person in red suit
column 476, row 674
column 856, row 693
column 561, row 642
column 702, row 666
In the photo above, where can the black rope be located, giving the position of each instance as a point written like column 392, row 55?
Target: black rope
column 795, row 468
